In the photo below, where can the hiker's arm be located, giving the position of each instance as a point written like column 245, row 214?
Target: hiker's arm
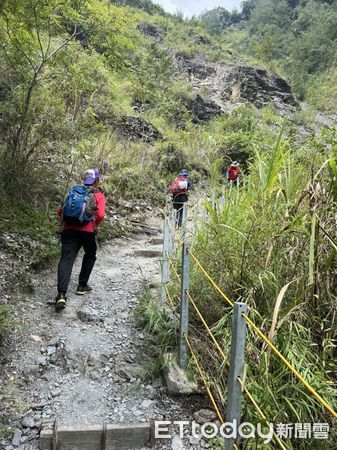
column 100, row 208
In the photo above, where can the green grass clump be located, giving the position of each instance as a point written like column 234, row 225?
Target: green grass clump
column 266, row 244
column 322, row 91
column 6, row 321
column 161, row 333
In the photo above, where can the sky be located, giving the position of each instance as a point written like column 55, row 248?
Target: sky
column 195, row 7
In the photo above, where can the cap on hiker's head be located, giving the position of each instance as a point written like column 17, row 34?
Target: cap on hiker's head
column 234, row 164
column 91, row 176
column 184, row 173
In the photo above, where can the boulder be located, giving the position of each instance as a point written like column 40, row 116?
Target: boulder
column 203, row 109
column 195, row 68
column 258, row 86
column 16, row 437
column 201, row 40
column 28, row 422
column 150, row 30
column 136, row 128
column 176, row 378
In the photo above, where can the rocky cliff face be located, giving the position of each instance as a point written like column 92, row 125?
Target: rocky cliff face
column 225, row 86
column 257, row 86
column 136, row 128
column 216, row 87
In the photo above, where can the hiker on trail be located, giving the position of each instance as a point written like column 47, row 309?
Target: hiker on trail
column 82, row 211
column 233, row 173
column 179, row 189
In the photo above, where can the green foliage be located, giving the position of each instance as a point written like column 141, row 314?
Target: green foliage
column 322, row 91
column 52, row 86
column 6, row 321
column 298, row 38
column 216, row 20
column 112, row 31
column 185, row 38
column 161, row 333
column 146, row 5
column 151, row 75
column 257, row 239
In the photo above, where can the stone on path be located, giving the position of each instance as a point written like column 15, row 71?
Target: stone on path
column 177, row 443
column 204, row 416
column 17, row 437
column 88, row 314
column 176, row 378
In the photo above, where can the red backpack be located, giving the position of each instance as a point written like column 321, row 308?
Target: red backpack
column 179, row 186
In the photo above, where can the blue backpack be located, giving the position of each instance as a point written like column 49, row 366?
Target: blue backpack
column 79, row 206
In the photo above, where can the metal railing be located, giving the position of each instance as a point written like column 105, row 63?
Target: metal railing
column 175, row 241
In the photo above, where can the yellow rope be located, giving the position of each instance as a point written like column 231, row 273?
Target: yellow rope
column 169, row 297
column 207, row 327
column 213, row 283
column 198, row 263
column 175, row 233
column 258, row 409
column 203, row 377
column 173, row 267
column 259, row 332
column 295, row 372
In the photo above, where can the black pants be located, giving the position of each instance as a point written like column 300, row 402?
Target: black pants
column 178, row 205
column 72, row 241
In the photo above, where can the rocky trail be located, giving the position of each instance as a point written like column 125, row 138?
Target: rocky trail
column 88, row 364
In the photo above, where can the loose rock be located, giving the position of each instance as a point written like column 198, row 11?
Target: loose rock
column 204, row 416
column 176, row 379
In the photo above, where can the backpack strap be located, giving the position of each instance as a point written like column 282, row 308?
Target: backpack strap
column 83, row 210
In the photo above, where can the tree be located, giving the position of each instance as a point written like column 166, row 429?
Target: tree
column 247, row 7
column 27, row 31
column 216, row 20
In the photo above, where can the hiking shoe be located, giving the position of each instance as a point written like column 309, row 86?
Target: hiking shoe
column 81, row 290
column 60, row 301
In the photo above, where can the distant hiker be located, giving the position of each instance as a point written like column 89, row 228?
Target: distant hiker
column 179, row 189
column 82, row 211
column 233, row 173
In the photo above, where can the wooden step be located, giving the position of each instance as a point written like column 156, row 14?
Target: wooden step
column 96, row 437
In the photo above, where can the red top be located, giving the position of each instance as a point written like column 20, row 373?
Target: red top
column 99, row 215
column 233, row 173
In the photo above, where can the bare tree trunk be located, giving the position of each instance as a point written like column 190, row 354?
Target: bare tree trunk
column 17, row 138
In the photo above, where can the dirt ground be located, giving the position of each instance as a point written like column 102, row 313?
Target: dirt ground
column 88, row 363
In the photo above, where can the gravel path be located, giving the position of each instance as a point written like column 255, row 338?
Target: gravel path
column 87, row 364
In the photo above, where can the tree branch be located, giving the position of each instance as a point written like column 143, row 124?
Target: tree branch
column 61, row 46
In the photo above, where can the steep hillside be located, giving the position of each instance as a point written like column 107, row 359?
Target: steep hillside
column 140, row 94
column 296, row 38
column 102, row 85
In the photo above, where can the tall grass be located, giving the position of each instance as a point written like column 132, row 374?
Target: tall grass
column 272, row 244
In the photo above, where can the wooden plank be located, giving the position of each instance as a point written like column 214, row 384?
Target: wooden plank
column 87, row 437
column 123, row 437
column 46, row 439
column 91, row 437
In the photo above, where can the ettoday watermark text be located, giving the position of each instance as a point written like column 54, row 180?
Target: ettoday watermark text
column 246, row 430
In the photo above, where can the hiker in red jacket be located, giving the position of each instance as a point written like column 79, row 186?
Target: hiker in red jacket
column 81, row 213
column 233, row 173
column 179, row 190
